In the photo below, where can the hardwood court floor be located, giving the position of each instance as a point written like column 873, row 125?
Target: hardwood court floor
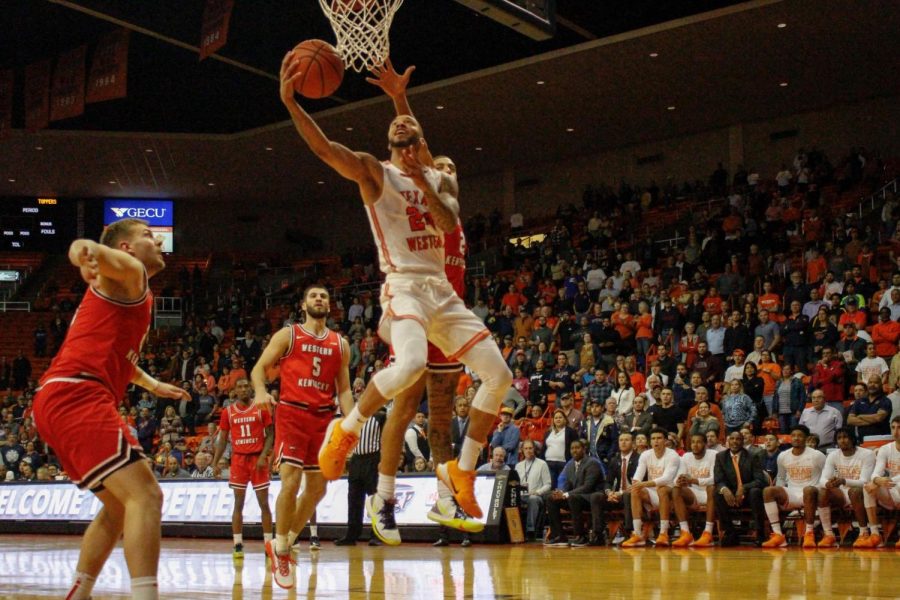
column 42, row 566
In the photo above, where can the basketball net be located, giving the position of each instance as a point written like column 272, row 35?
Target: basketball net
column 362, row 28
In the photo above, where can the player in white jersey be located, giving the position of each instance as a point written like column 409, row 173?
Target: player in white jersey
column 410, row 208
column 841, row 485
column 694, row 489
column 660, row 466
column 799, row 471
column 884, row 489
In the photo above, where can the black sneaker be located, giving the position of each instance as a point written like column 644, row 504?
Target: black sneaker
column 314, row 543
column 579, row 542
column 597, row 540
column 557, row 542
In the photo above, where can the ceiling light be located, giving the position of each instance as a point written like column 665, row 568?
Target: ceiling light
column 11, row 180
column 570, row 129
column 149, row 150
column 349, row 128
column 478, row 148
column 783, row 84
column 38, row 147
column 540, row 82
column 112, row 182
column 671, row 108
column 440, row 107
column 654, row 54
column 268, row 148
column 782, row 25
column 321, row 182
column 211, row 184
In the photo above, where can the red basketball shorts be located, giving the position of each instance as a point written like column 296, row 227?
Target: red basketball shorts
column 244, row 469
column 298, row 436
column 439, row 363
column 79, row 420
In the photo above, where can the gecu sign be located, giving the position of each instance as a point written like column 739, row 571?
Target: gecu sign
column 139, row 213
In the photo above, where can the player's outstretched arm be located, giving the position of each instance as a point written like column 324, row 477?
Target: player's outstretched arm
column 356, row 166
column 96, row 260
column 277, row 347
column 394, row 85
column 164, row 390
column 345, row 392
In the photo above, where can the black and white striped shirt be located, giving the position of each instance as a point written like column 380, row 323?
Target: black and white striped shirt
column 369, row 437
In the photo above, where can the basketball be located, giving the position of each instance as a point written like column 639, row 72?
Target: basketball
column 322, row 69
column 341, row 6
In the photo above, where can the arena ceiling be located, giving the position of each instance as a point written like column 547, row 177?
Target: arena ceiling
column 188, row 124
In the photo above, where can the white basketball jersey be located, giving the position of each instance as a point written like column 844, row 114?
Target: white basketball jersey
column 887, row 463
column 700, row 469
column 856, row 469
column 802, row 470
column 408, row 240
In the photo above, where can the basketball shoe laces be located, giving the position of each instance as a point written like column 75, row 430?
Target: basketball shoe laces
column 284, row 564
column 387, row 514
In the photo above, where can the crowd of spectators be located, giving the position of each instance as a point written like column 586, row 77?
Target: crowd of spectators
column 766, row 295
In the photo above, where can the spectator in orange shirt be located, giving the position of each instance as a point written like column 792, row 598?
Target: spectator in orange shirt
column 816, row 267
column 644, row 334
column 885, row 335
column 852, row 315
column 623, row 322
column 771, row 301
column 733, row 222
column 713, row 302
column 770, row 373
column 514, row 299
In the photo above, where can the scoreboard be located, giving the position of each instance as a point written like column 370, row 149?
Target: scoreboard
column 40, row 224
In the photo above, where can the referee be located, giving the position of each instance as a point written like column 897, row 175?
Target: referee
column 362, row 478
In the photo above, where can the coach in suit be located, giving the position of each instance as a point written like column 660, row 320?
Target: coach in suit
column 622, row 466
column 584, row 476
column 739, row 481
column 459, row 425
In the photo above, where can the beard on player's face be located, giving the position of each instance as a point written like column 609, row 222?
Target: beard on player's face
column 314, row 312
column 399, row 142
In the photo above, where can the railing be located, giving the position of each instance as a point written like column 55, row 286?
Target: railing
column 167, row 311
column 889, row 187
column 15, row 306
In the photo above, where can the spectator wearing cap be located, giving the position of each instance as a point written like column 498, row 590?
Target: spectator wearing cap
column 506, row 436
column 187, row 462
column 851, row 347
column 574, row 417
column 600, row 430
column 852, row 314
column 735, row 371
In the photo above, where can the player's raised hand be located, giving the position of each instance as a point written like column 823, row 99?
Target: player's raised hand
column 81, row 255
column 290, row 73
column 264, row 401
column 386, row 77
column 167, row 390
column 413, row 167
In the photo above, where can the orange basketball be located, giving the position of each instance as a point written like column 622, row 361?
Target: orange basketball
column 322, row 69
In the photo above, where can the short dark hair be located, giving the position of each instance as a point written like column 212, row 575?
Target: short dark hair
column 314, row 287
column 802, row 428
column 845, row 431
column 660, row 431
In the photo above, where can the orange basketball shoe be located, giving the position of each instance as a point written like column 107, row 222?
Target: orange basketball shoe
column 333, row 453
column 663, row 539
column 684, row 540
column 776, row 540
column 704, row 541
column 829, row 541
column 462, row 484
column 809, row 539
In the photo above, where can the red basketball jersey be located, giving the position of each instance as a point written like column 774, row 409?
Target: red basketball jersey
column 104, row 340
column 310, row 368
column 455, row 259
column 247, row 427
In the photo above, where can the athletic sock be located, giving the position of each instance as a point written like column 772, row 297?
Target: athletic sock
column 685, row 527
column 387, row 484
column 875, row 529
column 664, row 526
column 709, row 527
column 774, row 516
column 281, row 543
column 314, row 530
column 863, row 530
column 638, row 527
column 238, row 538
column 353, row 423
column 825, row 517
column 267, row 537
column 468, row 456
column 144, row 588
column 292, row 538
column 81, row 586
column 444, row 492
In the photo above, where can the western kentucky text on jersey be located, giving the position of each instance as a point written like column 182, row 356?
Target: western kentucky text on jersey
column 247, row 427
column 310, row 368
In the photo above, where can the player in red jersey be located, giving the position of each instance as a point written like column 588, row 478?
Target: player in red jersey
column 439, row 379
column 75, row 409
column 314, row 365
column 252, row 438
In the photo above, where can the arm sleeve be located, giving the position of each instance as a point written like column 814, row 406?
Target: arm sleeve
column 819, row 464
column 880, row 464
column 781, row 476
column 707, row 481
column 544, row 481
column 673, row 463
column 829, row 469
column 641, row 471
column 865, row 473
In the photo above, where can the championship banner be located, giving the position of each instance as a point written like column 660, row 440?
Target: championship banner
column 37, row 95
column 108, row 76
column 6, row 102
column 214, row 31
column 67, row 93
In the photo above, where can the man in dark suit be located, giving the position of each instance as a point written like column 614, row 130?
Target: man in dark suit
column 584, row 476
column 739, row 481
column 622, row 466
column 459, row 425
